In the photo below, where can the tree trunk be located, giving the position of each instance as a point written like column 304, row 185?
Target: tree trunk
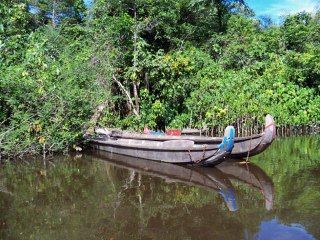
column 219, row 6
column 135, row 63
column 54, row 13
column 95, row 117
column 123, row 89
column 136, row 96
column 97, row 113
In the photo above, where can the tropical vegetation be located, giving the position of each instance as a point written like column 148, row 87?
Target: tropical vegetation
column 67, row 65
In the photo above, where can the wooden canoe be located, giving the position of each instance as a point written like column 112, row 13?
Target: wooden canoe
column 243, row 146
column 168, row 150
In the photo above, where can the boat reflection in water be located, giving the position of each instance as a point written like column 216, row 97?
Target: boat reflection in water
column 213, row 179
column 252, row 175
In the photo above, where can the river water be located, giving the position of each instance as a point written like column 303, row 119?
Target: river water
column 90, row 196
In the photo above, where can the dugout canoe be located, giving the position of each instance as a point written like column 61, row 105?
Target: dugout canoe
column 243, row 146
column 168, row 150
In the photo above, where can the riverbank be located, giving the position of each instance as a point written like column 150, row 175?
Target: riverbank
column 281, row 131
column 109, row 64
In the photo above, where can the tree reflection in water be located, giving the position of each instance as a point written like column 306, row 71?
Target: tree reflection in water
column 93, row 198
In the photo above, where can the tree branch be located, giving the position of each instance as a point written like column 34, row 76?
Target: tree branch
column 123, row 89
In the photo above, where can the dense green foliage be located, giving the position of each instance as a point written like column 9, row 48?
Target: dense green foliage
column 156, row 63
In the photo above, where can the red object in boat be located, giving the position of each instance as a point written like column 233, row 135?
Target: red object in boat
column 173, row 132
column 146, row 130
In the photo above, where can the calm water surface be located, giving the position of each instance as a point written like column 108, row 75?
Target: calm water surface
column 276, row 196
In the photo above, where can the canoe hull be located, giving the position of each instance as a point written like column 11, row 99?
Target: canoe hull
column 243, row 146
column 170, row 151
column 185, row 149
column 182, row 155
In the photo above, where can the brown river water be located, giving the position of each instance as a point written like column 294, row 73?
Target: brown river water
column 96, row 195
